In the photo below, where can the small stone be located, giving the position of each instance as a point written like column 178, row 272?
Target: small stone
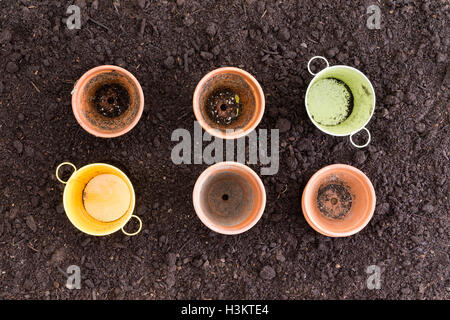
column 211, row 30
column 280, row 257
column 420, row 127
column 187, row 260
column 290, row 54
column 284, row 34
column 383, row 208
column 267, row 273
column 18, row 145
column 428, row 208
column 29, row 151
column 12, row 67
column 31, row 223
column 332, row 52
column 441, row 57
column 95, row 4
column 180, row 3
column 188, row 20
column 283, row 125
column 169, row 62
column 360, row 157
column 89, row 283
column 206, row 55
column 5, row 36
column 171, row 259
column 292, row 163
column 170, row 280
column 58, row 256
column 141, row 4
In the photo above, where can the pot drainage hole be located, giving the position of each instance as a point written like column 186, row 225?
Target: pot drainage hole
column 223, row 106
column 334, row 200
column 111, row 100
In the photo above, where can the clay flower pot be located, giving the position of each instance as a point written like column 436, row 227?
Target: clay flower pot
column 84, row 100
column 251, row 98
column 338, row 201
column 229, row 198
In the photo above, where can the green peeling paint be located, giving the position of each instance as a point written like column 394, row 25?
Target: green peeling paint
column 326, row 100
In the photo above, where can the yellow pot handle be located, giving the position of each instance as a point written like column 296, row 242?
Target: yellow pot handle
column 63, row 164
column 136, row 232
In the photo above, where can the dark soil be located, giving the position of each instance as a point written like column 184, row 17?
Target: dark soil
column 223, row 106
column 334, row 200
column 111, row 100
column 169, row 46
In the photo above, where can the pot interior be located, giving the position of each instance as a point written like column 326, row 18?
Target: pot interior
column 339, row 201
column 87, row 110
column 362, row 94
column 240, row 84
column 231, row 199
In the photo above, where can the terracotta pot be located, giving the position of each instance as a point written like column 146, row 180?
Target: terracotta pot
column 338, row 201
column 251, row 97
column 83, row 101
column 229, row 198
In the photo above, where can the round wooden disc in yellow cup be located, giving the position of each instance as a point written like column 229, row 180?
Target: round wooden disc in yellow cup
column 106, row 197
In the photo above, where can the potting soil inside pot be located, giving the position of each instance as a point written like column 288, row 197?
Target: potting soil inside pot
column 111, row 100
column 334, row 200
column 223, row 106
column 330, row 101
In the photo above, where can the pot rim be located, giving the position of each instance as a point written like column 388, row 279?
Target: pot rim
column 314, row 122
column 196, row 197
column 81, row 82
column 132, row 202
column 219, row 133
column 329, row 233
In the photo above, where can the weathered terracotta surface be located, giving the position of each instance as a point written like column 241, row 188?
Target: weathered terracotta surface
column 229, row 198
column 251, row 97
column 333, row 214
column 85, row 111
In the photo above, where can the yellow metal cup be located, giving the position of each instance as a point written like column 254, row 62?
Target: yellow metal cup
column 73, row 200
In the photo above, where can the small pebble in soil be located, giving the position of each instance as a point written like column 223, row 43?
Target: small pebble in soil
column 18, row 146
column 169, row 62
column 283, row 125
column 360, row 157
column 420, row 127
column 12, row 67
column 211, row 29
column 111, row 100
column 223, row 106
column 267, row 273
column 31, row 223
